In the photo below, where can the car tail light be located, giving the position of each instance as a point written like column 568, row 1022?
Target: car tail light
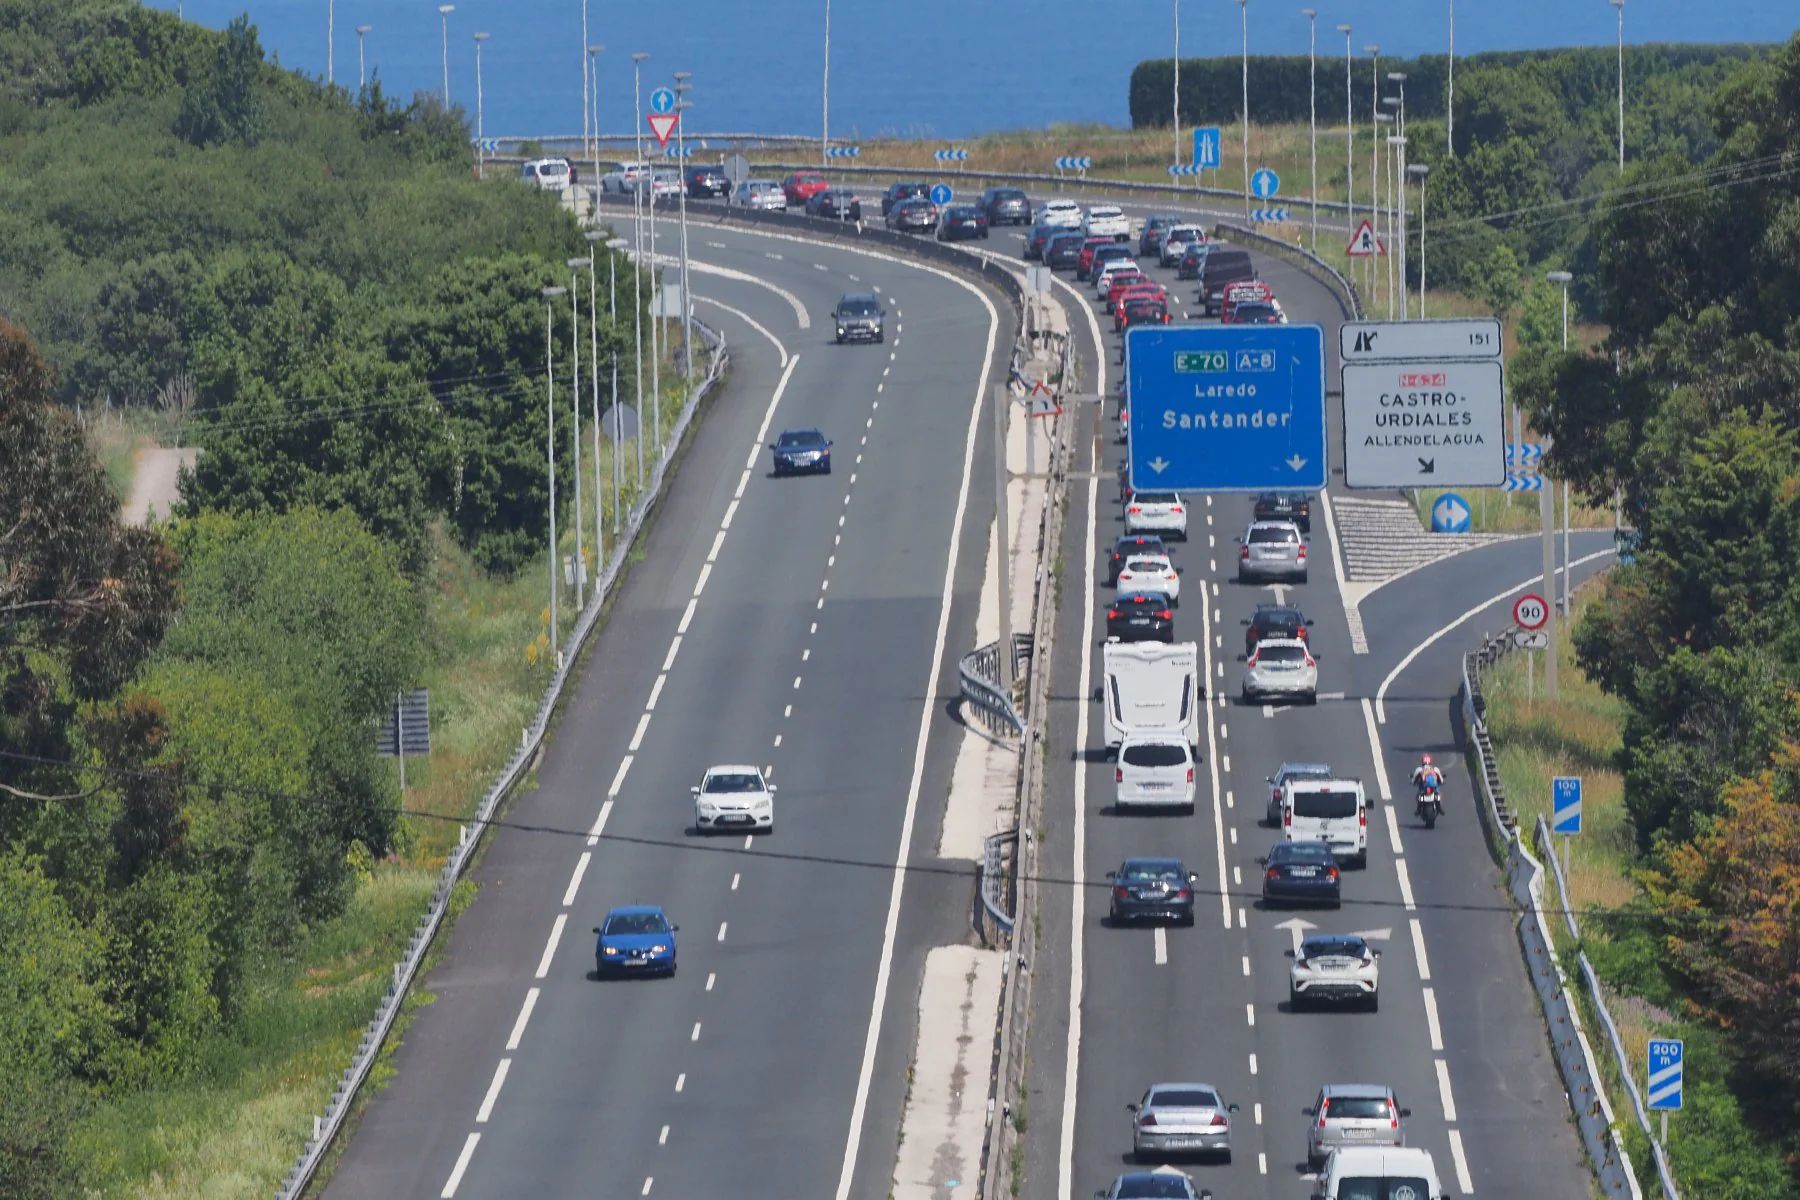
column 1331, row 872
column 1311, row 661
column 1244, row 552
column 1274, row 873
column 1147, row 1119
column 1118, row 774
column 1287, row 818
column 1253, row 658
column 1134, row 508
column 1219, row 1121
column 1174, row 508
column 1182, row 893
column 1323, row 1105
column 1121, row 893
column 1362, row 818
column 1113, row 613
column 1190, row 774
column 1166, row 615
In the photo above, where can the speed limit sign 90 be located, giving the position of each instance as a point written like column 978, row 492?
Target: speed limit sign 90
column 1531, row 611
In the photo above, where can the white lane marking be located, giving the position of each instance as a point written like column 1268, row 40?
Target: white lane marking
column 1224, row 731
column 662, row 1139
column 855, row 278
column 1243, row 923
column 1393, row 828
column 1268, row 712
column 750, row 462
column 599, row 823
column 695, row 1036
column 1212, row 757
column 1215, row 588
column 778, row 741
column 820, row 267
column 718, row 540
column 1443, row 1078
column 927, row 713
column 637, row 738
column 681, row 1081
column 806, row 654
column 674, row 646
column 581, row 866
column 687, row 615
column 1431, row 1020
column 1418, row 939
column 648, row 1180
column 705, row 574
column 493, row 1093
column 1463, row 1179
column 1258, row 1111
column 556, row 930
column 1246, row 966
column 1262, row 1161
column 879, row 388
column 1406, row 896
column 1162, row 946
column 734, row 880
column 796, row 683
column 1253, row 1064
column 1381, row 775
column 518, row 1029
column 712, row 977
column 1227, row 764
column 1381, row 692
column 1234, row 871
column 1237, row 872
column 743, row 482
column 723, row 926
column 656, row 690
column 747, row 319
column 1211, row 542
column 730, row 512
column 1250, row 1015
column 618, row 781
column 462, row 1164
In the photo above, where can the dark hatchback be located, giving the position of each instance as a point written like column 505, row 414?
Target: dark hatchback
column 1062, row 252
column 859, row 317
column 1152, row 889
column 836, row 203
column 1275, row 621
column 1127, row 546
column 1006, row 206
column 801, row 452
column 917, row 215
column 1150, row 237
column 1100, row 257
column 1301, row 873
column 896, row 192
column 706, row 183
column 962, row 222
column 1141, row 617
column 1039, row 236
column 1223, row 268
column 1285, row 506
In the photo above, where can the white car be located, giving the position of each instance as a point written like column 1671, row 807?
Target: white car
column 624, row 177
column 1064, row 214
column 662, row 184
column 548, row 174
column 1334, row 967
column 733, row 796
column 1112, row 266
column 764, row 194
column 1107, row 220
column 1177, row 240
column 1155, row 770
column 1281, row 668
column 1157, row 512
column 1151, row 573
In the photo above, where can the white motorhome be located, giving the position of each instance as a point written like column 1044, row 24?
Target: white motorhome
column 1381, row 1172
column 1333, row 811
column 1152, row 685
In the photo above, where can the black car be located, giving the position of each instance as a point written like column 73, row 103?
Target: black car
column 1223, row 268
column 1141, row 617
column 1006, row 206
column 1301, row 873
column 1285, row 506
column 1125, row 547
column 962, row 222
column 859, row 317
column 1038, row 238
column 897, row 192
column 1193, row 261
column 1159, row 889
column 1062, row 251
column 1275, row 621
column 706, row 183
column 802, row 452
column 1151, row 235
column 836, row 203
column 915, row 215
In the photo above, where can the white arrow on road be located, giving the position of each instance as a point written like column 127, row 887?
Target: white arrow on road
column 1298, row 927
column 1296, row 462
column 1280, row 590
column 1158, row 464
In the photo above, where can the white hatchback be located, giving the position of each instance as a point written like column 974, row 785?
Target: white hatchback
column 1151, row 573
column 732, row 797
column 1156, row 770
column 1107, row 220
column 1064, row 214
column 1157, row 512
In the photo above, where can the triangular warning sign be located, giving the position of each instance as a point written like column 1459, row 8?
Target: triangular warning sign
column 662, row 125
column 1364, row 243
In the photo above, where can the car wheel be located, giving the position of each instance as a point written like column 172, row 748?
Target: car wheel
column 882, row 336
column 1294, row 1005
column 1374, row 1001
column 1312, row 697
column 1362, row 861
column 1225, row 1155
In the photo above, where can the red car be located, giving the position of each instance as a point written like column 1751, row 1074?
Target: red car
column 802, row 186
column 1118, row 281
column 1144, row 310
column 1254, row 291
column 1136, row 292
column 1086, row 261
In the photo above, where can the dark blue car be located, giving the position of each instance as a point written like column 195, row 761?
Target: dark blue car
column 800, row 451
column 1301, row 872
column 1158, row 889
column 636, row 939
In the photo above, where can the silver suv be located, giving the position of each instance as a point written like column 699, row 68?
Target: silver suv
column 859, row 318
column 1272, row 550
column 1353, row 1114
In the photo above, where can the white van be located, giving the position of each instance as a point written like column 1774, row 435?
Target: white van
column 1379, row 1173
column 1152, row 685
column 549, row 174
column 1333, row 811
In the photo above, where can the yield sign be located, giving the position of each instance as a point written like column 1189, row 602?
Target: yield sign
column 662, row 125
column 1364, row 243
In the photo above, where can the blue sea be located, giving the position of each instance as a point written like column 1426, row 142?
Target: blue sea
column 926, row 68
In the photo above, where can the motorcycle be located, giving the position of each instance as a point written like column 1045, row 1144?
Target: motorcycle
column 1429, row 806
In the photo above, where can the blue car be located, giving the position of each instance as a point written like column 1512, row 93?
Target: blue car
column 636, row 939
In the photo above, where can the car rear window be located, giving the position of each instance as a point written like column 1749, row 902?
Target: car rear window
column 1247, row 311
column 1008, row 194
column 1280, row 654
column 1158, row 498
column 1326, row 947
column 1263, row 537
column 1357, row 1108
column 1154, row 754
column 1151, row 872
column 1325, row 806
column 733, row 783
column 1184, row 1098
column 1155, row 1187
column 1381, row 1187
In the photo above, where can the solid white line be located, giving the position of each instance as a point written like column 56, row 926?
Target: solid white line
column 619, row 776
column 493, row 1093
column 928, row 713
column 1337, row 558
column 687, row 615
column 1162, row 946
column 1406, row 896
column 1463, row 1180
column 1418, row 939
column 747, row 319
column 656, row 691
column 518, row 1029
column 1393, row 828
column 705, row 574
column 1449, row 1101
column 1381, row 775
column 637, row 738
column 581, row 866
column 1381, row 692
column 556, row 928
column 600, row 823
column 674, row 646
column 462, row 1164
column 1431, row 1020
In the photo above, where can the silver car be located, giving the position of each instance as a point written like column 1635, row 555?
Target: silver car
column 1291, row 770
column 1272, row 550
column 1283, row 669
column 1335, row 968
column 734, row 797
column 1353, row 1114
column 1156, row 512
column 1181, row 1118
column 1176, row 242
column 765, row 194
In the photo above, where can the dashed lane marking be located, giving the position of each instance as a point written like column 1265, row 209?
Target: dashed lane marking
column 581, row 866
column 681, row 1081
column 1418, row 940
column 493, row 1093
column 695, row 1036
column 619, row 776
column 656, row 691
column 1444, row 1094
column 462, row 1164
column 556, row 932
column 1162, row 946
column 524, row 1019
column 662, row 1139
column 687, row 616
column 600, row 823
column 637, row 738
column 674, row 645
column 1431, row 1020
column 1463, row 1179
column 1406, row 893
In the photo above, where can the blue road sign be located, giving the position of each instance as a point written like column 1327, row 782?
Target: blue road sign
column 662, row 100
column 1226, row 408
column 1523, row 481
column 1450, row 514
column 1665, row 1074
column 1206, row 147
column 956, row 155
column 844, row 152
column 1263, row 216
column 487, row 145
column 1184, row 168
column 1074, row 162
column 1565, row 804
column 1524, row 454
column 1264, row 183
column 941, row 194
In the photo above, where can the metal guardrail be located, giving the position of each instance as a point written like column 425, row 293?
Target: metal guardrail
column 985, row 695
column 327, row 1125
column 997, row 887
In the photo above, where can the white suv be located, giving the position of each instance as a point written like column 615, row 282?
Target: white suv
column 1156, row 770
column 1107, row 220
column 1151, row 573
column 734, row 797
column 548, row 174
column 1156, row 512
column 1064, row 214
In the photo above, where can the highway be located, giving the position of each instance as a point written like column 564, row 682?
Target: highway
column 810, row 625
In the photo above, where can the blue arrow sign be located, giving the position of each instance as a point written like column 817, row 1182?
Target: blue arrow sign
column 950, row 155
column 1565, row 804
column 1263, row 216
column 1226, row 408
column 1450, row 514
column 1522, row 481
column 1206, row 147
column 941, row 194
column 1072, row 162
column 1183, row 169
column 1264, row 183
column 662, row 100
column 1524, row 454
column 1665, row 1074
column 487, row 145
column 844, row 152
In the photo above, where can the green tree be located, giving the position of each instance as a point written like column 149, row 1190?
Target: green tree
column 227, row 106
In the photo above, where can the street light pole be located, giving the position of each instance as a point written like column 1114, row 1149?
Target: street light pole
column 1620, row 5
column 1562, row 279
column 1384, row 231
column 1312, row 114
column 587, row 88
column 825, row 92
column 1391, row 185
column 1397, row 149
column 575, row 265
column 1374, row 53
column 612, row 308
column 1399, row 78
column 444, row 11
column 648, row 205
column 480, row 153
column 1419, row 171
column 1450, row 102
column 593, row 53
column 330, row 41
column 682, row 88
column 1175, row 99
column 550, row 295
column 1244, row 24
column 594, row 237
column 1349, row 134
column 362, row 75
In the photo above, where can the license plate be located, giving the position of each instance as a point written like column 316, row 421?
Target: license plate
column 1155, row 787
column 1185, row 1143
column 637, row 962
column 1304, row 872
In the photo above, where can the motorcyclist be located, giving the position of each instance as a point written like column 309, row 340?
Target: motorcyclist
column 1426, row 777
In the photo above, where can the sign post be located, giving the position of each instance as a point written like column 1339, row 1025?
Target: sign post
column 1565, row 809
column 1664, row 1078
column 1530, row 612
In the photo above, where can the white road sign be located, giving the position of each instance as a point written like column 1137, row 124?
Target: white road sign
column 1367, row 341
column 1424, row 424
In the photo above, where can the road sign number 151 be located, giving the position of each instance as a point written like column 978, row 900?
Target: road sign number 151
column 1189, row 362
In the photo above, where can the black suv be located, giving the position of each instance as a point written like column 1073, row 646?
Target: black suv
column 834, row 202
column 1285, row 506
column 897, row 192
column 1274, row 621
column 1006, row 206
column 859, row 318
column 706, row 183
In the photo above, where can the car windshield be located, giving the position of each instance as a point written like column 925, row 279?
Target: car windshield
column 1008, row 194
column 1358, row 1108
column 620, row 923
column 1280, row 654
column 1278, row 618
column 1154, row 754
column 1155, row 1187
column 1184, row 1098
column 1152, row 872
column 1382, row 1187
column 802, row 440
column 1325, row 806
column 1270, row 535
column 858, row 308
column 735, row 781
column 1323, row 947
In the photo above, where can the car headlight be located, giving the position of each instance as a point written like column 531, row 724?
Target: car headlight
column 658, row 948
column 609, row 951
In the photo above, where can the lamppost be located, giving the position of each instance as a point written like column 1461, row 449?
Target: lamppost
column 1384, row 230
column 594, row 237
column 330, row 41
column 1419, row 171
column 550, row 295
column 1398, row 78
column 1562, row 279
column 1312, row 113
column 1620, row 5
column 1244, row 24
column 1450, row 102
column 1374, row 53
column 575, row 265
column 682, row 88
column 612, row 306
column 444, row 11
column 825, row 92
column 362, row 77
column 593, row 53
column 1349, row 135
column 480, row 153
column 1397, row 150
column 587, row 88
column 1390, row 183
column 647, row 207
column 1175, row 99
